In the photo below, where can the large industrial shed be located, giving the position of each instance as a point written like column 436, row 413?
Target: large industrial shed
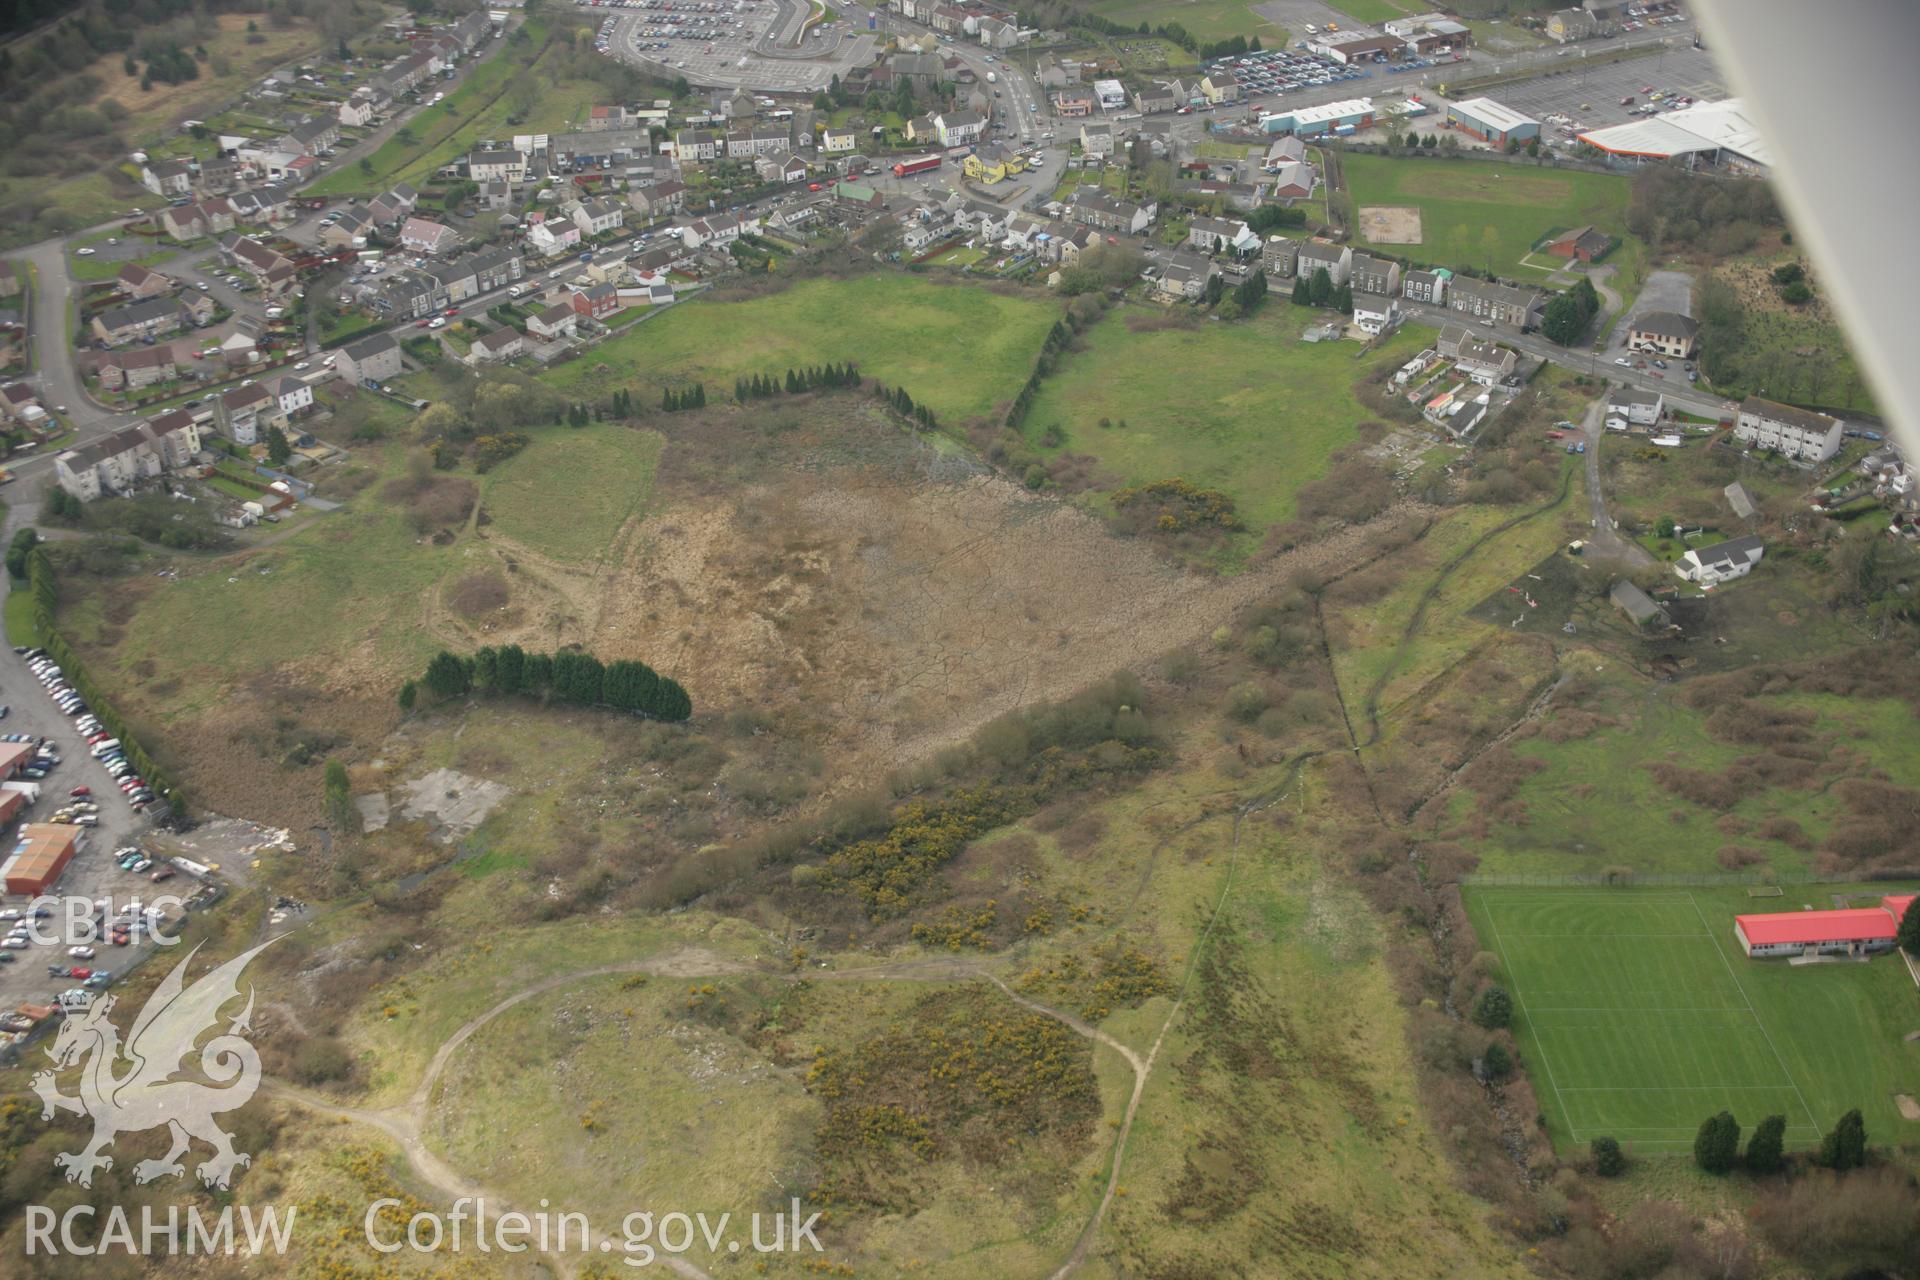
column 1328, row 117
column 1707, row 131
column 43, row 851
column 1491, row 122
column 1854, row 932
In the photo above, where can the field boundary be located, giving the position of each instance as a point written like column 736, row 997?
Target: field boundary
column 1657, row 880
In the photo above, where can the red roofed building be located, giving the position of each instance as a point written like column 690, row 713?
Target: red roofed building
column 1855, row 932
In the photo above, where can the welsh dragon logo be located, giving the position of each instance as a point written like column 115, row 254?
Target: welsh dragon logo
column 142, row 1085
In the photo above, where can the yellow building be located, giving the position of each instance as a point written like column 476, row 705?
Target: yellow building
column 993, row 165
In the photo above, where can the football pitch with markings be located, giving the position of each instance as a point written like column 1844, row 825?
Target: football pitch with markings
column 1638, row 1016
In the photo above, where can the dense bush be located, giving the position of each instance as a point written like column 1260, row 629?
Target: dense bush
column 577, row 679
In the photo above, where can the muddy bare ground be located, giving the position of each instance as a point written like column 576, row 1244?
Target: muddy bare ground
column 878, row 593
column 861, row 579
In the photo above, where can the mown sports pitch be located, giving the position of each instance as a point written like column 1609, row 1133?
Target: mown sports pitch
column 1638, row 1016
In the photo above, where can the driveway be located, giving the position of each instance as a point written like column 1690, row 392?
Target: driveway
column 1605, row 542
column 1664, row 291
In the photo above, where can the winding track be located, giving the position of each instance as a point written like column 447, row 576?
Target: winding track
column 404, row 1123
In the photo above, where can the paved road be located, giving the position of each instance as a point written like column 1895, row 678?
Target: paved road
column 1606, row 542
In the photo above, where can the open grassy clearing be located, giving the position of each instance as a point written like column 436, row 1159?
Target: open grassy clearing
column 902, row 330
column 604, row 481
column 1368, row 621
column 1205, row 20
column 94, row 269
column 1489, row 215
column 1594, row 796
column 349, row 586
column 1638, row 1017
column 157, row 112
column 153, row 115
column 1244, row 408
column 441, row 134
column 1372, row 11
column 1281, row 1127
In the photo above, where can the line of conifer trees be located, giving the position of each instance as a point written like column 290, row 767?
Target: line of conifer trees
column 897, row 399
column 674, row 401
column 813, row 378
column 577, row 679
column 1057, row 339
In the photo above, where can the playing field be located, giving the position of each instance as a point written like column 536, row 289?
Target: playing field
column 1638, row 1017
column 903, row 330
column 1481, row 214
column 1246, row 408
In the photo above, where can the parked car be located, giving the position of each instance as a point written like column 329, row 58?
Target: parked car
column 81, row 953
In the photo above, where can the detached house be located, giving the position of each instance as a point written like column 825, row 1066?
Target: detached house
column 1722, row 562
column 191, row 221
column 598, row 216
column 167, row 178
column 1629, row 406
column 782, row 166
column 550, row 236
column 292, row 395
column 139, row 282
column 716, row 231
column 555, row 323
column 1096, row 139
column 1185, row 276
column 958, row 128
column 1220, row 235
column 595, row 302
column 393, row 206
column 838, row 141
column 1665, row 333
column 499, row 165
column 423, row 235
column 374, row 359
column 501, row 344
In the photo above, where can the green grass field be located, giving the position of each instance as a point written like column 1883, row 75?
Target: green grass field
column 1374, row 11
column 1205, row 20
column 1478, row 215
column 1599, row 802
column 1638, row 1016
column 1246, row 408
column 444, row 133
column 600, row 475
column 960, row 349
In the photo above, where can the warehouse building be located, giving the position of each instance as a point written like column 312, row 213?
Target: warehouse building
column 1492, row 123
column 13, row 756
column 1854, row 932
column 1706, row 132
column 1331, row 117
column 40, row 854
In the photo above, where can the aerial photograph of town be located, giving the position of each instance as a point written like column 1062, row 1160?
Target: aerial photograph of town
column 1114, row 639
